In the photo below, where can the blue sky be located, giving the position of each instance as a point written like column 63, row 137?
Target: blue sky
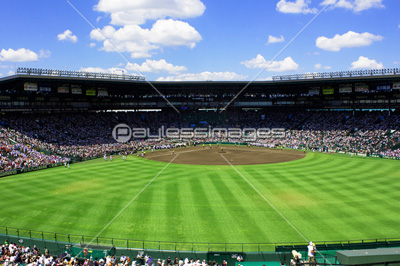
column 200, row 39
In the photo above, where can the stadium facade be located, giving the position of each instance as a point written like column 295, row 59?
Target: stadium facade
column 36, row 90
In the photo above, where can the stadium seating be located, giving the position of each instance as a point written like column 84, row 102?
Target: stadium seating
column 40, row 139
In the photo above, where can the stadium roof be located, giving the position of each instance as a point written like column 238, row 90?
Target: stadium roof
column 312, row 78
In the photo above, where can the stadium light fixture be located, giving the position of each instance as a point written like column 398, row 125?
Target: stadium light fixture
column 70, row 73
column 340, row 74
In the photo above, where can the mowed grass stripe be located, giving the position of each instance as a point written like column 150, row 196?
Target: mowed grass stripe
column 272, row 224
column 217, row 207
column 342, row 222
column 29, row 196
column 206, row 214
column 146, row 196
column 306, row 187
column 235, row 209
column 326, row 196
column 136, row 220
column 149, row 213
column 282, row 196
column 288, row 222
column 75, row 182
column 348, row 191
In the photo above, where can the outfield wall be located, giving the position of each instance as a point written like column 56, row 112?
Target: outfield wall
column 57, row 248
column 326, row 253
column 59, row 240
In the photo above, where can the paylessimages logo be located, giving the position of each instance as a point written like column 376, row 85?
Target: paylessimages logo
column 123, row 133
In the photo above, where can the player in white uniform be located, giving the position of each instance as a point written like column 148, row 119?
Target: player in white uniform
column 311, row 252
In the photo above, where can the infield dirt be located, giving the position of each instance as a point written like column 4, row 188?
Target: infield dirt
column 221, row 155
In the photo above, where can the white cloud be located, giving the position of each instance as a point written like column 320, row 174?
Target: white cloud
column 313, row 53
column 167, row 30
column 112, row 70
column 366, row 63
column 155, row 66
column 141, row 42
column 92, row 44
column 259, row 61
column 349, row 39
column 9, row 73
column 273, row 39
column 67, row 36
column 174, row 33
column 319, row 66
column 270, row 78
column 203, row 76
column 354, row 5
column 20, row 55
column 139, row 11
column 44, row 53
column 296, row 7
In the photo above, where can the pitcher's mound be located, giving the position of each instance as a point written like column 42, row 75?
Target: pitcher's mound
column 239, row 155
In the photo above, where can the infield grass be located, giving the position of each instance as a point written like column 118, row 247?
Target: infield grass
column 325, row 197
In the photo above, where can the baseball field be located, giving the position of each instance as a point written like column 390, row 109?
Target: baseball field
column 211, row 195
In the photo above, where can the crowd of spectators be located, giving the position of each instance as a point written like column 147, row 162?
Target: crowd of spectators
column 370, row 133
column 82, row 129
column 30, row 140
column 145, row 259
column 18, row 152
column 13, row 254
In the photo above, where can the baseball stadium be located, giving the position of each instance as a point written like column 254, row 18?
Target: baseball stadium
column 108, row 165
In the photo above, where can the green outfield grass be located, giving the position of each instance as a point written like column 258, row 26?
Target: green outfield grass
column 325, row 197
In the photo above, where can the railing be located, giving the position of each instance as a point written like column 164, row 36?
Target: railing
column 79, row 74
column 187, row 246
column 340, row 74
